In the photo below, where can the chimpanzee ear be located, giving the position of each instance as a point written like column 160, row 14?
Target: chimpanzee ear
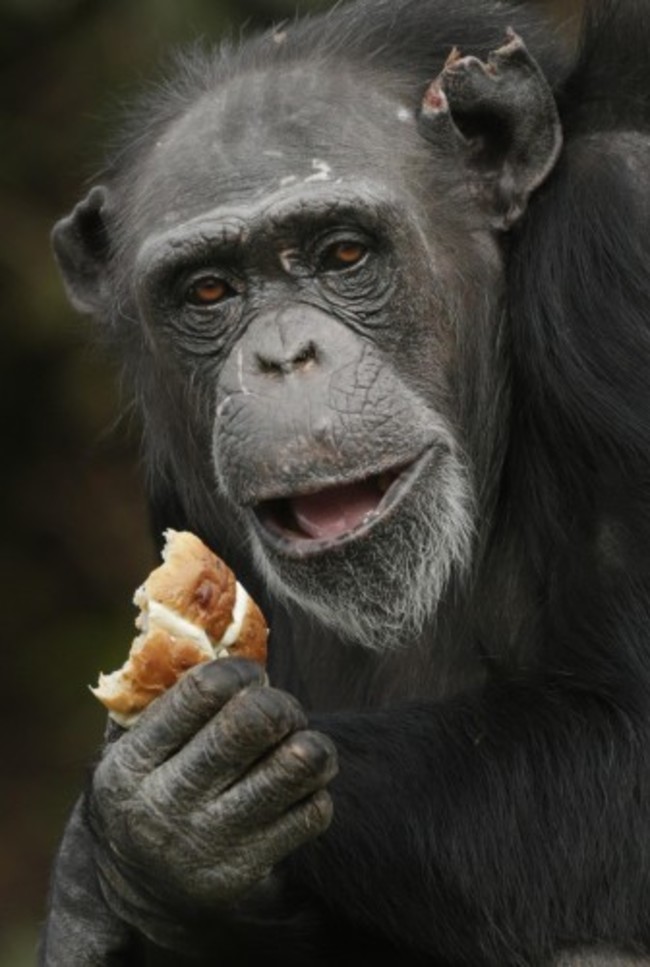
column 499, row 119
column 81, row 246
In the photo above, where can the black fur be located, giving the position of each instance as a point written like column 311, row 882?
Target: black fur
column 501, row 818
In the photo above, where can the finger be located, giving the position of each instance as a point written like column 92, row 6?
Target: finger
column 176, row 716
column 247, row 727
column 249, row 860
column 307, row 820
column 112, row 731
column 300, row 766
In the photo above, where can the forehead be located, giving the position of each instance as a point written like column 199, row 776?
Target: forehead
column 272, row 131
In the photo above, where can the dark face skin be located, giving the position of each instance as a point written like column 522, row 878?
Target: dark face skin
column 312, row 310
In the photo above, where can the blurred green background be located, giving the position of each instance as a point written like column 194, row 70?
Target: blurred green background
column 74, row 540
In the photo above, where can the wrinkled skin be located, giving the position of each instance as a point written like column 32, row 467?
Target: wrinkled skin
column 223, row 723
column 312, row 309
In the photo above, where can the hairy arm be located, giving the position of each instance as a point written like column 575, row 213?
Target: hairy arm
column 81, row 930
column 484, row 830
column 508, row 825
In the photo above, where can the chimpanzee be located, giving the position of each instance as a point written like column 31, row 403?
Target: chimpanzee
column 379, row 281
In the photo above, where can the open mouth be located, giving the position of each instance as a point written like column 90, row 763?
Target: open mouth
column 311, row 522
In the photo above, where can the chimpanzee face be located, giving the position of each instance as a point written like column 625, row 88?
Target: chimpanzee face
column 312, row 268
column 284, row 265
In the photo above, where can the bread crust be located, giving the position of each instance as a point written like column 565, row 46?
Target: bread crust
column 194, row 583
column 192, row 610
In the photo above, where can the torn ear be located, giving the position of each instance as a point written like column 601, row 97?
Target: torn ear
column 82, row 246
column 500, row 120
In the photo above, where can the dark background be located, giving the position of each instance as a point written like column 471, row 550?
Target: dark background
column 74, row 540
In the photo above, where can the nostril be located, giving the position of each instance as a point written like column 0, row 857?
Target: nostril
column 268, row 367
column 305, row 356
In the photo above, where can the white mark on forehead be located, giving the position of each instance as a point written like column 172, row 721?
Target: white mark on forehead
column 322, row 171
column 273, row 153
column 405, row 114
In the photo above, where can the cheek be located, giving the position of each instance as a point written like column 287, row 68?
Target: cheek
column 423, row 338
column 454, row 313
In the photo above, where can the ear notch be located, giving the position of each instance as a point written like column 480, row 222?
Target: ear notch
column 500, row 120
column 82, row 247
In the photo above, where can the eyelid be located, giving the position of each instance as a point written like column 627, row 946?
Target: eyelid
column 186, row 280
column 326, row 249
column 207, row 279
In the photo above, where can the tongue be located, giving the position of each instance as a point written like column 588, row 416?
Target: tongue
column 335, row 511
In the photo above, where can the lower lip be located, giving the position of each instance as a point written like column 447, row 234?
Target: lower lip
column 299, row 546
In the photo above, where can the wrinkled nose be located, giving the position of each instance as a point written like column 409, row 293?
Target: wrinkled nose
column 287, row 354
column 290, row 342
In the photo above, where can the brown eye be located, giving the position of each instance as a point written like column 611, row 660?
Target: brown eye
column 344, row 255
column 208, row 291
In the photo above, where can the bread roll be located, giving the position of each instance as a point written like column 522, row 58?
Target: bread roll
column 192, row 609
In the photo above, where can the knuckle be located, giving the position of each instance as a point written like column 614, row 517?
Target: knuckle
column 214, row 682
column 160, row 794
column 129, row 761
column 201, row 684
column 229, row 674
column 313, row 752
column 265, row 711
column 134, row 752
column 279, row 707
column 108, row 784
column 141, row 832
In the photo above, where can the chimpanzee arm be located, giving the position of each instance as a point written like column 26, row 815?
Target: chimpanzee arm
column 187, row 812
column 500, row 825
column 81, row 930
column 508, row 825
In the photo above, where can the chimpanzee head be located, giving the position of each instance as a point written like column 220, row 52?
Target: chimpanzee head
column 302, row 267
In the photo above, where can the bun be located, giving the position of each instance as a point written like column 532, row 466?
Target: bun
column 192, row 609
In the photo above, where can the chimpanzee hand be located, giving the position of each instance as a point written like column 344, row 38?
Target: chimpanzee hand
column 216, row 783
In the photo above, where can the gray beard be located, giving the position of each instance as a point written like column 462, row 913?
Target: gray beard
column 381, row 591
